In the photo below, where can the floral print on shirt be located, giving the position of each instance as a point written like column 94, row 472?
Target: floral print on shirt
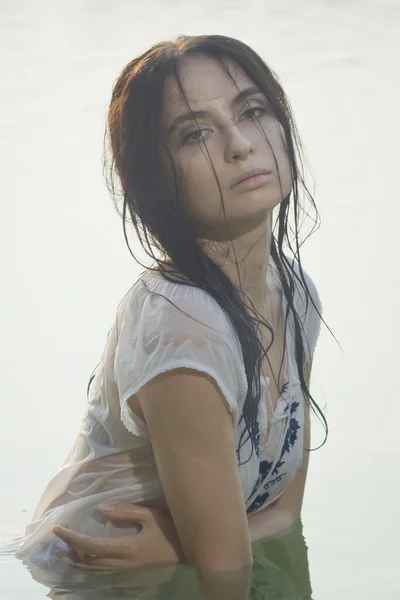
column 264, row 481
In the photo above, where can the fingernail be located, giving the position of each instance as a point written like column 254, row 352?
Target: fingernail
column 57, row 529
column 107, row 507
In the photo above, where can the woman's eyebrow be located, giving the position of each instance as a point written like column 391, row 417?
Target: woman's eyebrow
column 188, row 116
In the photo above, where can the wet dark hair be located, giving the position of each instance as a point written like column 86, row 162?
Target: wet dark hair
column 152, row 196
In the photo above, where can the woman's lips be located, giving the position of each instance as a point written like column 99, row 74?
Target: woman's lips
column 254, row 182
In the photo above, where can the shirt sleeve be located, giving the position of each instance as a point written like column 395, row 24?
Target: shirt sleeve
column 311, row 318
column 182, row 327
column 313, row 322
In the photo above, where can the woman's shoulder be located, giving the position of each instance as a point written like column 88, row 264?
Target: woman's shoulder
column 167, row 325
column 172, row 304
column 302, row 294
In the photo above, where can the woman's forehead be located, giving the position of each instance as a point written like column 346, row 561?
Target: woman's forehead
column 205, row 82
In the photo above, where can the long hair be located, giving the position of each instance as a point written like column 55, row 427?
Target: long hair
column 152, row 197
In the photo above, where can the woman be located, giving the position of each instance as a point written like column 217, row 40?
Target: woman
column 199, row 407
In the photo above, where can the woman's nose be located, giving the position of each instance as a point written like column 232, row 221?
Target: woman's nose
column 238, row 146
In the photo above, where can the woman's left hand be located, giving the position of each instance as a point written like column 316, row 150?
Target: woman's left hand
column 157, row 543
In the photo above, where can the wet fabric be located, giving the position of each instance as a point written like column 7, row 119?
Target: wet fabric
column 160, row 326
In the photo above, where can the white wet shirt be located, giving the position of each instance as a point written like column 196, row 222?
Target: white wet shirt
column 112, row 459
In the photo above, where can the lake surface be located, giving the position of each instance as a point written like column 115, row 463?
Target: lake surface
column 66, row 266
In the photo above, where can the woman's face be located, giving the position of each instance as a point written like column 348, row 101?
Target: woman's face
column 237, row 144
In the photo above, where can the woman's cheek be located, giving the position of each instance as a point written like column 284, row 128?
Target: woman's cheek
column 202, row 195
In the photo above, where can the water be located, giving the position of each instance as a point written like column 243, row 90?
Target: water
column 66, row 266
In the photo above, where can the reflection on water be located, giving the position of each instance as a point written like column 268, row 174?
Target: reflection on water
column 280, row 571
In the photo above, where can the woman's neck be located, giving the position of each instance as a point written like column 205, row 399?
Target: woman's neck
column 245, row 260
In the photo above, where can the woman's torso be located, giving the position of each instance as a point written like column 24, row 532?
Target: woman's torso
column 107, row 464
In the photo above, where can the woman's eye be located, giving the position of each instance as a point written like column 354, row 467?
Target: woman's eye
column 194, row 136
column 252, row 110
column 197, row 134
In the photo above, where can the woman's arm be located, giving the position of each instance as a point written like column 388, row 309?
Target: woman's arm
column 192, row 437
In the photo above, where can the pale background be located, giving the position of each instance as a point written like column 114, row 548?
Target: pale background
column 65, row 266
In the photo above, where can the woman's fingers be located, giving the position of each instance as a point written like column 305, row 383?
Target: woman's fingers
column 98, row 565
column 99, row 547
column 127, row 512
